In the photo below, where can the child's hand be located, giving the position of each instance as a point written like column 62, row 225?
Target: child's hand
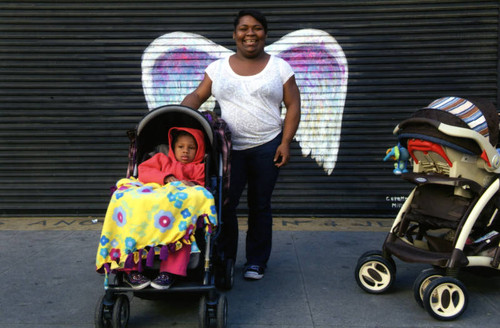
column 169, row 179
column 188, row 183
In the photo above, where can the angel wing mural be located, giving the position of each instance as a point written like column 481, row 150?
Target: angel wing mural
column 174, row 64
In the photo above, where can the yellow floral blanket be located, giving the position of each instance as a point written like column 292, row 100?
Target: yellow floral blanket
column 144, row 220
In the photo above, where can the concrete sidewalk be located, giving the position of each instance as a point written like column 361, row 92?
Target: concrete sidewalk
column 48, row 280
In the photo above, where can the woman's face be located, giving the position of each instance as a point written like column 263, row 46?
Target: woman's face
column 250, row 37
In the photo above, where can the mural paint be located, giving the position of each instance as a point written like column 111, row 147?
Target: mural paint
column 174, row 64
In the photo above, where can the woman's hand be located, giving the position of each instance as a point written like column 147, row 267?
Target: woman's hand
column 282, row 155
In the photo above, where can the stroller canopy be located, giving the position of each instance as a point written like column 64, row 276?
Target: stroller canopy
column 152, row 130
column 475, row 114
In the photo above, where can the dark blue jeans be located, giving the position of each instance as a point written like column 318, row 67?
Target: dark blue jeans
column 256, row 168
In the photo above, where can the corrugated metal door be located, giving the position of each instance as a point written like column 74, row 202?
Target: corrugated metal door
column 70, row 88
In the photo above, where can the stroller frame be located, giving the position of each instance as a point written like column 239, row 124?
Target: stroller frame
column 438, row 289
column 113, row 308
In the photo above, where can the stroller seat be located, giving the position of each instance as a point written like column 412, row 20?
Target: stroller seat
column 431, row 157
column 453, row 138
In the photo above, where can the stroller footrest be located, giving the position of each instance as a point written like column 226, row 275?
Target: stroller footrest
column 409, row 253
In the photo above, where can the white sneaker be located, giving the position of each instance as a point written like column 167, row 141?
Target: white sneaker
column 254, row 272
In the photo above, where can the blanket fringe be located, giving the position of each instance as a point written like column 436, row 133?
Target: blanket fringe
column 164, row 252
column 150, row 259
column 129, row 262
column 139, row 264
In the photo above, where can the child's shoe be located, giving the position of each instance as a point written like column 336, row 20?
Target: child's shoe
column 136, row 280
column 163, row 281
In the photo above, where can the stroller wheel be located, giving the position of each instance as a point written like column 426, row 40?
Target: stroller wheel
column 121, row 312
column 222, row 312
column 375, row 274
column 102, row 315
column 203, row 313
column 445, row 298
column 376, row 253
column 225, row 275
column 423, row 280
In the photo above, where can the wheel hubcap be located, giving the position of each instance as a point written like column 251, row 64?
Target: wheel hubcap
column 447, row 300
column 375, row 275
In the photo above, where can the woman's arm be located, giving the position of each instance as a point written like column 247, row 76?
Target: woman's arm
column 196, row 98
column 291, row 98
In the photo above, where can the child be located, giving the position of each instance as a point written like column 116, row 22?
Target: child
column 184, row 163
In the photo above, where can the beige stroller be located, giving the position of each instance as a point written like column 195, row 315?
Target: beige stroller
column 450, row 219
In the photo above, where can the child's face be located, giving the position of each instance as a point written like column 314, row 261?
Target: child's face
column 185, row 149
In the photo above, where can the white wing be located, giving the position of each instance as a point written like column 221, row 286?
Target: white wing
column 321, row 72
column 174, row 64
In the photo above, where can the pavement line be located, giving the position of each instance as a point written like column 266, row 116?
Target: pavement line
column 280, row 224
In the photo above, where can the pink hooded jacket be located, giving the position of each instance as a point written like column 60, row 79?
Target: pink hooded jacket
column 160, row 166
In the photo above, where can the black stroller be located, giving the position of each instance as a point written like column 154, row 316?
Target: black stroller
column 206, row 270
column 450, row 219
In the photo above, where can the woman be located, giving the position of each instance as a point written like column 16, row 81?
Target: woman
column 249, row 87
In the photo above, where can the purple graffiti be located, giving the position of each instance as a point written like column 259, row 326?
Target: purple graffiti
column 313, row 62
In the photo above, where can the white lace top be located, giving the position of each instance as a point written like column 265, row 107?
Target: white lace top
column 250, row 104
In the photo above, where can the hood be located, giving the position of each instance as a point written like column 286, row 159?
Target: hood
column 198, row 137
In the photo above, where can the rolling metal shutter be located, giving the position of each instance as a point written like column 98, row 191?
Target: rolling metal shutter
column 70, row 88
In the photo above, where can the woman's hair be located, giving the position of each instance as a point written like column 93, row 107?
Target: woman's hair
column 255, row 14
